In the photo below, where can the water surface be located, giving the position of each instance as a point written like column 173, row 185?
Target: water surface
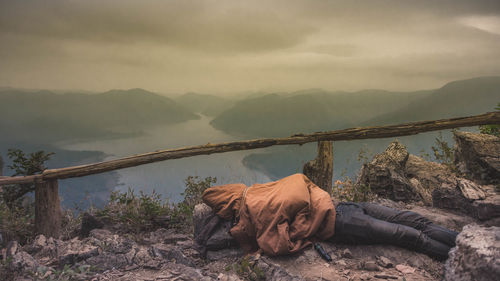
column 167, row 177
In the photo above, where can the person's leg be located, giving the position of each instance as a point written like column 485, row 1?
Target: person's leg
column 354, row 226
column 411, row 219
column 351, row 225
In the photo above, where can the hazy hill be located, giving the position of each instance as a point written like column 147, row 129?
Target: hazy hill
column 49, row 117
column 455, row 99
column 308, row 111
column 35, row 120
column 208, row 105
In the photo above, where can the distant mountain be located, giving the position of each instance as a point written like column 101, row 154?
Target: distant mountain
column 44, row 116
column 315, row 110
column 208, row 105
column 38, row 120
column 308, row 111
column 455, row 99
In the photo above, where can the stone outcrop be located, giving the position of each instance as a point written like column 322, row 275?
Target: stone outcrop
column 397, row 175
column 18, row 259
column 478, row 156
column 482, row 209
column 89, row 222
column 386, row 175
column 476, row 256
column 426, row 176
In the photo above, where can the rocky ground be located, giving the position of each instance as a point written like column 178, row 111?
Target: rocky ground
column 166, row 255
column 470, row 205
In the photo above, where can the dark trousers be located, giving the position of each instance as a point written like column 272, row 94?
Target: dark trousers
column 368, row 223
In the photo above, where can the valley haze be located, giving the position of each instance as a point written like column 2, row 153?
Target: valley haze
column 86, row 128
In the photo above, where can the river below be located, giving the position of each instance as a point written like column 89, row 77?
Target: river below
column 167, row 177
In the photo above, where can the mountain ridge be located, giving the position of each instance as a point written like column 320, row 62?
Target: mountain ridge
column 55, row 117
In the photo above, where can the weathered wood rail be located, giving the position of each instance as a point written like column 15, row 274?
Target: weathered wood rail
column 47, row 216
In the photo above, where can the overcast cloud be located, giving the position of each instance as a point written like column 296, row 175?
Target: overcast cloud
column 218, row 46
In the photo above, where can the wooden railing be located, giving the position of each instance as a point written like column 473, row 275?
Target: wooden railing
column 47, row 204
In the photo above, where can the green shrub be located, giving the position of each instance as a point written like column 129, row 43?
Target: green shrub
column 181, row 214
column 346, row 190
column 67, row 273
column 17, row 222
column 195, row 188
column 23, row 165
column 247, row 269
column 443, row 152
column 143, row 212
column 135, row 212
column 491, row 129
column 17, row 211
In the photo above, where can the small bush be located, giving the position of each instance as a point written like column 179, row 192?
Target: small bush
column 364, row 155
column 17, row 210
column 67, row 273
column 491, row 129
column 247, row 269
column 143, row 212
column 181, row 214
column 135, row 212
column 17, row 222
column 23, row 165
column 443, row 152
column 347, row 191
column 195, row 188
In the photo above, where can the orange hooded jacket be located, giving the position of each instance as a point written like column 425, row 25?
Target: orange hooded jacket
column 280, row 217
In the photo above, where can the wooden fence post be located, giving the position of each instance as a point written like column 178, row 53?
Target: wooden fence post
column 1, row 170
column 1, row 166
column 320, row 170
column 47, row 208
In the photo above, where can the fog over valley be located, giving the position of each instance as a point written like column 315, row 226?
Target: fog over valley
column 87, row 128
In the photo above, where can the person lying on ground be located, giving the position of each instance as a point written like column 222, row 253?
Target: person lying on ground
column 285, row 216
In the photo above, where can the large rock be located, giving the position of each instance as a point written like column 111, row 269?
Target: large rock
column 166, row 236
column 476, row 256
column 89, row 223
column 386, row 176
column 74, row 251
column 201, row 214
column 489, row 207
column 399, row 176
column 273, row 271
column 44, row 248
column 114, row 243
column 463, row 199
column 427, row 176
column 171, row 253
column 443, row 217
column 478, row 156
column 18, row 259
column 220, row 237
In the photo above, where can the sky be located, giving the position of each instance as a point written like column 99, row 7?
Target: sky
column 230, row 46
